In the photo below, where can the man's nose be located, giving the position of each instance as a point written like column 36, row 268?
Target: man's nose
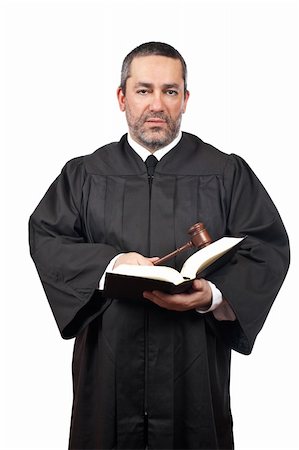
column 156, row 103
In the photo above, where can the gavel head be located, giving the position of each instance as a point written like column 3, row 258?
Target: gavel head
column 199, row 235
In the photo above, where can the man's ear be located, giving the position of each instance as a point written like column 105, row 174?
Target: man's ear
column 121, row 99
column 187, row 95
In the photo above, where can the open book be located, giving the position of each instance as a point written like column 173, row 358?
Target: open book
column 129, row 281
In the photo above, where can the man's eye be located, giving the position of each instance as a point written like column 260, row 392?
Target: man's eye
column 142, row 91
column 171, row 92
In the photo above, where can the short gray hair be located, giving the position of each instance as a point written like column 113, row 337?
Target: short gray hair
column 148, row 49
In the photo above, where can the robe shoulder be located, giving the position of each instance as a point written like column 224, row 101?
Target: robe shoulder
column 115, row 158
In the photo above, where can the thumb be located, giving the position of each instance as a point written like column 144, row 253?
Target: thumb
column 154, row 259
column 198, row 284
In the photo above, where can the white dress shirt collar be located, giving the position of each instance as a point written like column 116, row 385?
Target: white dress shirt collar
column 144, row 153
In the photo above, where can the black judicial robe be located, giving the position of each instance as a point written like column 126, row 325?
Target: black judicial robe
column 135, row 363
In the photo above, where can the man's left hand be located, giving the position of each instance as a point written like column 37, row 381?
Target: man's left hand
column 199, row 297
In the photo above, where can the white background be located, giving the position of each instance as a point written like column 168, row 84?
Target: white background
column 62, row 65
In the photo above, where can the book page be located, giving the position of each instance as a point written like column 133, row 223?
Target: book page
column 163, row 273
column 207, row 255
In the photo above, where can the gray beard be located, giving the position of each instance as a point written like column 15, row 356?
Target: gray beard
column 153, row 143
column 148, row 139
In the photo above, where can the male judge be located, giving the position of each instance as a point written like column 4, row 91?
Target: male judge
column 155, row 373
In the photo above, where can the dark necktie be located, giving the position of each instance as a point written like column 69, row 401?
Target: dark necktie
column 151, row 162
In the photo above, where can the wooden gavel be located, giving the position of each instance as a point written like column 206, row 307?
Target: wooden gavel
column 199, row 238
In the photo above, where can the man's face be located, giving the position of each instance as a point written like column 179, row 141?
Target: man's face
column 154, row 100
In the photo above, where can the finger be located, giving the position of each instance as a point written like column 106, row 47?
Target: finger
column 142, row 261
column 151, row 295
column 154, row 259
column 177, row 302
column 198, row 284
column 154, row 298
column 160, row 296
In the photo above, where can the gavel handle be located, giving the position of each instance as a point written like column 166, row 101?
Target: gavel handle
column 173, row 254
column 199, row 238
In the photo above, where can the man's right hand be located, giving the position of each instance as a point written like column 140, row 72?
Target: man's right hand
column 134, row 258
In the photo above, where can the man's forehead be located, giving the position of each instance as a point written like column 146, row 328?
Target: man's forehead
column 145, row 68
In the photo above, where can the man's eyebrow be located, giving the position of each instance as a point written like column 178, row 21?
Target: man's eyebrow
column 171, row 86
column 143, row 84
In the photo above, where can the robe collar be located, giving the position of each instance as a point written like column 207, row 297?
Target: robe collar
column 144, row 153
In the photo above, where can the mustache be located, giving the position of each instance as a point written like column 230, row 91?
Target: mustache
column 156, row 116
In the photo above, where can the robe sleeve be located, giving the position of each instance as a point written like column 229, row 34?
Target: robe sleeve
column 69, row 267
column 251, row 281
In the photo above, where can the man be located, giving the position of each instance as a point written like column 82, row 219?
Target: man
column 155, row 373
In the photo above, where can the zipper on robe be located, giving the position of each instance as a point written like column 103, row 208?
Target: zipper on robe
column 145, row 417
column 146, row 320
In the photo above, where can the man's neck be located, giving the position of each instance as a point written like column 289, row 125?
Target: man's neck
column 144, row 152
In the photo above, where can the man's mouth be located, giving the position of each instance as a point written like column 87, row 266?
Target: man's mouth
column 156, row 121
